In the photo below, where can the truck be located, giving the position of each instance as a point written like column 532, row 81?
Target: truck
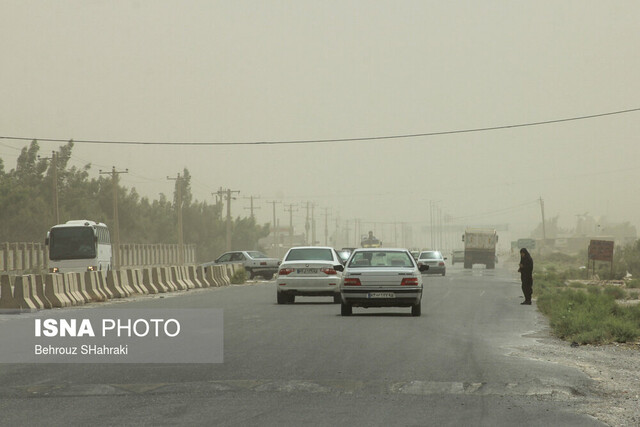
column 480, row 247
column 370, row 241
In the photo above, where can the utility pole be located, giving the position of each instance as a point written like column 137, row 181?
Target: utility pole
column 178, row 181
column 290, row 210
column 251, row 206
column 227, row 194
column 544, row 229
column 313, row 225
column 307, row 226
column 54, row 182
column 276, row 246
column 116, row 225
column 326, row 226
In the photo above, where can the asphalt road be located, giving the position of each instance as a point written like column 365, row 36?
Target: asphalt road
column 304, row 364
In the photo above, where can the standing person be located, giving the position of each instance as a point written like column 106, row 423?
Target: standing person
column 526, row 275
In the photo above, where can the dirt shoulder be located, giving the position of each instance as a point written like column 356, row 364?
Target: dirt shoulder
column 615, row 369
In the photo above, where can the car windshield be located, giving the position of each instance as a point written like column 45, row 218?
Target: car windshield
column 309, row 254
column 256, row 255
column 430, row 255
column 381, row 259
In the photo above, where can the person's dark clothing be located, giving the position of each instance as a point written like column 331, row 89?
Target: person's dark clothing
column 526, row 275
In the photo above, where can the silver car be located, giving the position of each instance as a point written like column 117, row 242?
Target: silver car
column 434, row 260
column 255, row 263
column 309, row 271
column 376, row 277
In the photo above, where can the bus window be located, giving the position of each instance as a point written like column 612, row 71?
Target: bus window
column 72, row 243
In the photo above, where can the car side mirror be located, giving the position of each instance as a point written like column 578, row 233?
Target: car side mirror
column 338, row 267
column 423, row 267
column 445, row 258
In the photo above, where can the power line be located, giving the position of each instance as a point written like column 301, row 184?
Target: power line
column 317, row 141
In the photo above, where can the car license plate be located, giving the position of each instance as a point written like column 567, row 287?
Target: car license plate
column 381, row 295
column 307, row 271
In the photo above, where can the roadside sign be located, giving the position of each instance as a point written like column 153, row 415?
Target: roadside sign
column 601, row 250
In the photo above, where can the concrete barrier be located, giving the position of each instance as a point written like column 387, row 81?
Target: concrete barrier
column 209, row 276
column 91, row 282
column 54, row 290
column 184, row 273
column 68, row 286
column 193, row 277
column 102, row 285
column 174, row 273
column 82, row 288
column 6, row 293
column 224, row 272
column 165, row 273
column 159, row 281
column 123, row 279
column 147, row 281
column 202, row 277
column 39, row 284
column 135, row 281
column 22, row 294
column 113, row 284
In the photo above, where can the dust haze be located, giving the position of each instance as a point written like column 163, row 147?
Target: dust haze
column 203, row 71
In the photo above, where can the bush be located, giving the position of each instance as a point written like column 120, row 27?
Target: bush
column 239, row 277
column 615, row 291
column 633, row 284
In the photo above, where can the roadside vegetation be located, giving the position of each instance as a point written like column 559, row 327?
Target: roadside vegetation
column 586, row 311
column 27, row 213
column 239, row 277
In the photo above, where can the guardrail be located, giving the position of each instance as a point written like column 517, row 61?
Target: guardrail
column 58, row 290
column 20, row 257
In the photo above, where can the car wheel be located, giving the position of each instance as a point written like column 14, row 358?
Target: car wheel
column 416, row 310
column 337, row 299
column 346, row 309
column 444, row 273
column 291, row 299
column 467, row 265
column 268, row 276
column 282, row 298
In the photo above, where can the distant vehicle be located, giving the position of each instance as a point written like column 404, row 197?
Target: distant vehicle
column 370, row 241
column 255, row 263
column 434, row 260
column 309, row 271
column 376, row 277
column 79, row 245
column 457, row 256
column 480, row 247
column 415, row 254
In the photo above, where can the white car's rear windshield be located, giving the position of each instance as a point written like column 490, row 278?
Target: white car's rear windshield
column 309, row 254
column 431, row 255
column 381, row 259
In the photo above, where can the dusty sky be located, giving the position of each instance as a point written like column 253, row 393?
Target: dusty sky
column 245, row 71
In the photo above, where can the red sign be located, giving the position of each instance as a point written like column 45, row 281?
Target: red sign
column 601, row 250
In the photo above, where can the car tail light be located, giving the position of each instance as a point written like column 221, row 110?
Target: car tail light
column 409, row 281
column 263, row 263
column 329, row 271
column 352, row 281
column 441, row 263
column 285, row 271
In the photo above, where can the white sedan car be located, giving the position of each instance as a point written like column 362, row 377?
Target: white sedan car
column 309, row 271
column 381, row 278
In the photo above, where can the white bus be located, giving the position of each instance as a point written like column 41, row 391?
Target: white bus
column 78, row 246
